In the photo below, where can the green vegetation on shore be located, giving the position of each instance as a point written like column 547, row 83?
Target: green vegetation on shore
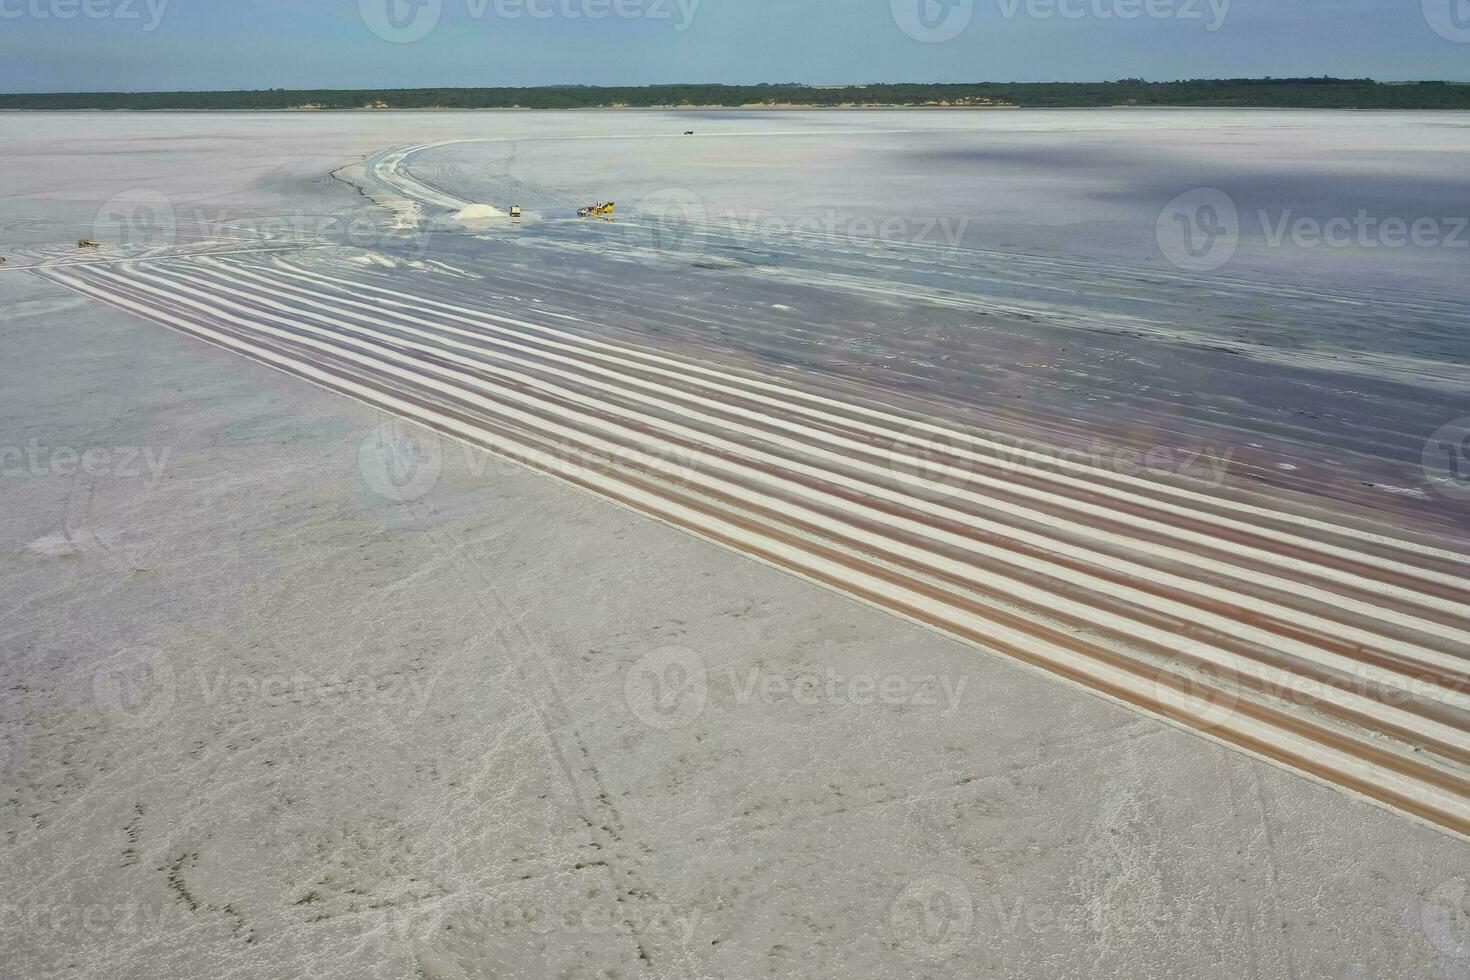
column 1296, row 93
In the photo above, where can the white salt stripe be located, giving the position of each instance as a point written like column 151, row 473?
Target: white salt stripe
column 1260, row 554
column 937, row 614
column 951, row 434
column 1367, row 610
column 1357, row 668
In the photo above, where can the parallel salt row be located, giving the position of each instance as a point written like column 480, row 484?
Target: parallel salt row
column 1449, row 663
column 217, row 288
column 523, row 390
column 1177, row 521
column 898, row 424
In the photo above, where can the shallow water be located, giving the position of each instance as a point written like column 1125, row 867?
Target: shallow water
column 1026, row 265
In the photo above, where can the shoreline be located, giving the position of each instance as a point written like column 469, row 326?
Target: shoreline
column 1237, row 93
column 772, row 107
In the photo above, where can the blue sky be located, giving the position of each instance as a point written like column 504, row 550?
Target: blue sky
column 228, row 44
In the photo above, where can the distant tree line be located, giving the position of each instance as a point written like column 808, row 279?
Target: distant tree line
column 1301, row 93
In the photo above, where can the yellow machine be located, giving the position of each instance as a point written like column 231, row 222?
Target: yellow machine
column 597, row 210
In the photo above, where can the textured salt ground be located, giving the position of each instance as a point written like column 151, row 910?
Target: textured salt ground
column 441, row 834
column 990, row 635
column 782, row 833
